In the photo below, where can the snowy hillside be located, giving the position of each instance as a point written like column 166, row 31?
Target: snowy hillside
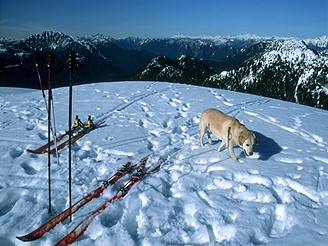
column 200, row 196
column 288, row 70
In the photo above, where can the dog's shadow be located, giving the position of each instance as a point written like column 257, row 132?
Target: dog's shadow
column 266, row 146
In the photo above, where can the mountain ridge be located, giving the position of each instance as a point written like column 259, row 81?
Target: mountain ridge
column 297, row 68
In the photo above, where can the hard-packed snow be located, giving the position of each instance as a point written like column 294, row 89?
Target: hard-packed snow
column 279, row 196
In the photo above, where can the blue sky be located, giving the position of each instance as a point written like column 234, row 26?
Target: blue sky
column 165, row 18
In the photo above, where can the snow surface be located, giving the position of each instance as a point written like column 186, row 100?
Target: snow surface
column 279, row 196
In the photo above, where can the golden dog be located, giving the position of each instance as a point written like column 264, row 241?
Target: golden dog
column 227, row 128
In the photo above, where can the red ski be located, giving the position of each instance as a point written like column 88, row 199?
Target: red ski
column 66, row 142
column 76, row 137
column 39, row 232
column 78, row 231
column 41, row 149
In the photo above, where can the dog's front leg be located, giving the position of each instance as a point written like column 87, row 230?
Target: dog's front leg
column 208, row 131
column 202, row 130
column 209, row 136
column 232, row 152
column 201, row 140
column 229, row 141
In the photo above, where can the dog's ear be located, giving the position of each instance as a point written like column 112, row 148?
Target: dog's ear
column 242, row 137
column 255, row 139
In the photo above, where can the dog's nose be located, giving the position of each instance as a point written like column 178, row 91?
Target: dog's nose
column 250, row 153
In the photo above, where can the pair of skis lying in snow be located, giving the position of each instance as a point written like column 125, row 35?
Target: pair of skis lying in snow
column 128, row 167
column 77, row 136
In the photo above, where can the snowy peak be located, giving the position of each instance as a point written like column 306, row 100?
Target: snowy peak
column 319, row 42
column 161, row 68
column 285, row 69
column 292, row 51
column 243, row 39
column 240, row 40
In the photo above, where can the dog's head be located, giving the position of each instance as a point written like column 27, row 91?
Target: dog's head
column 246, row 140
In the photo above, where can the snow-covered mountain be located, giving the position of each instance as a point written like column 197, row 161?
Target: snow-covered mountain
column 284, row 68
column 104, row 60
column 213, row 48
column 319, row 43
column 183, row 70
column 279, row 196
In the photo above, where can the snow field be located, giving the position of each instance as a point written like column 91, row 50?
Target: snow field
column 199, row 196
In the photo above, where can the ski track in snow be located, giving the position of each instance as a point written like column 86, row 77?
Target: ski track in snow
column 198, row 197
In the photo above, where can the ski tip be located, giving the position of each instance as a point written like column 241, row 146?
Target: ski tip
column 27, row 238
column 31, row 151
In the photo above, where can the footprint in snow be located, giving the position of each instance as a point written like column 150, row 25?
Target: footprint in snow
column 28, row 169
column 6, row 241
column 282, row 222
column 130, row 218
column 16, row 152
column 7, row 202
column 112, row 218
column 30, row 127
column 185, row 107
column 42, row 136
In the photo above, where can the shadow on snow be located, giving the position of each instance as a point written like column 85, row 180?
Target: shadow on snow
column 266, row 147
